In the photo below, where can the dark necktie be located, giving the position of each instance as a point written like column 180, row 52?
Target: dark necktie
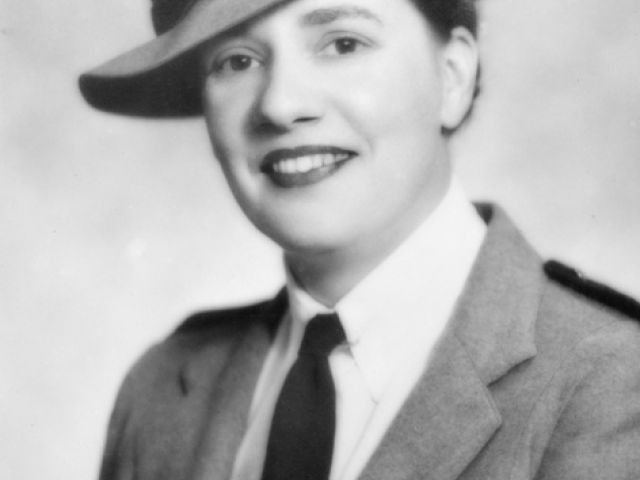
column 300, row 443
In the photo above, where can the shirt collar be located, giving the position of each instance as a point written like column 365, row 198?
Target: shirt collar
column 405, row 301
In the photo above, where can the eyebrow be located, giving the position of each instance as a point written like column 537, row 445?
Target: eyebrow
column 323, row 16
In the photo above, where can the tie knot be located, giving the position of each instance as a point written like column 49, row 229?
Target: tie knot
column 322, row 334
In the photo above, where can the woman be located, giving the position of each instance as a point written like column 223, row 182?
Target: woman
column 416, row 337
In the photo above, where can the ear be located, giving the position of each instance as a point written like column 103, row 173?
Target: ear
column 460, row 70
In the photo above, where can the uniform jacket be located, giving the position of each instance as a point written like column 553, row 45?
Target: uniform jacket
column 532, row 379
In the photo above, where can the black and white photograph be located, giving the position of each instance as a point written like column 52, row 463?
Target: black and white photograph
column 320, row 240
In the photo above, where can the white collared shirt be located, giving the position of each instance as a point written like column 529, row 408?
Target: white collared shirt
column 392, row 319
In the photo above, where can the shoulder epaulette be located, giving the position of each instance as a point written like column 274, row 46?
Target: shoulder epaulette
column 599, row 292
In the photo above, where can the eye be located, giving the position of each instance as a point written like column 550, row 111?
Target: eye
column 235, row 63
column 343, row 46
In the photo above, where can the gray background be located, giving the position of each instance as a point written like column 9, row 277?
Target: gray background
column 113, row 229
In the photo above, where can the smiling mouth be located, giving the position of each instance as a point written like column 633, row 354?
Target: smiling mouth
column 303, row 166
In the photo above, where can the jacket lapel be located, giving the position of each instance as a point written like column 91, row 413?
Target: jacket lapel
column 451, row 415
column 225, row 419
column 442, row 426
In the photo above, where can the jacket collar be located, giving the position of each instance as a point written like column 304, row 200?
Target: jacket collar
column 228, row 396
column 496, row 315
column 451, row 415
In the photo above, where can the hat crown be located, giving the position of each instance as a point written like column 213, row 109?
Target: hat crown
column 165, row 14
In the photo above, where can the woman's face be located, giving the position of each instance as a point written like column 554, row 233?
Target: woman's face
column 327, row 119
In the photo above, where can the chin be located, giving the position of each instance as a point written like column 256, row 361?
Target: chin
column 304, row 237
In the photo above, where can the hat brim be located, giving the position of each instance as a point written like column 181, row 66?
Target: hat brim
column 160, row 78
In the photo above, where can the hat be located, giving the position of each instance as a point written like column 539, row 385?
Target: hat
column 160, row 77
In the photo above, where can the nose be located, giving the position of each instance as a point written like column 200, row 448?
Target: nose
column 288, row 98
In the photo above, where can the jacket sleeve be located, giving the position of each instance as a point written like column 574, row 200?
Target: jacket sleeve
column 117, row 459
column 597, row 435
column 120, row 456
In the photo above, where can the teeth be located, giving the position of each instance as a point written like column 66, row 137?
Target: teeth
column 307, row 163
column 290, row 166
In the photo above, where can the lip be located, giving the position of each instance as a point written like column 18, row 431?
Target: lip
column 304, row 165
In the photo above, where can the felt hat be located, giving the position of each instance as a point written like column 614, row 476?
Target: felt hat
column 160, row 77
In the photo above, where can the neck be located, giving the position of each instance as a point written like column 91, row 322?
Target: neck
column 328, row 275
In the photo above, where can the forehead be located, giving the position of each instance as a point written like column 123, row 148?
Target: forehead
column 314, row 13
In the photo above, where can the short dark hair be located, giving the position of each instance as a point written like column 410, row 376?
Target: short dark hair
column 445, row 15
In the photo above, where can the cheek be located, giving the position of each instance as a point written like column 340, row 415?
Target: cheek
column 404, row 102
column 398, row 115
column 226, row 114
column 226, row 146
column 414, row 100
column 221, row 142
